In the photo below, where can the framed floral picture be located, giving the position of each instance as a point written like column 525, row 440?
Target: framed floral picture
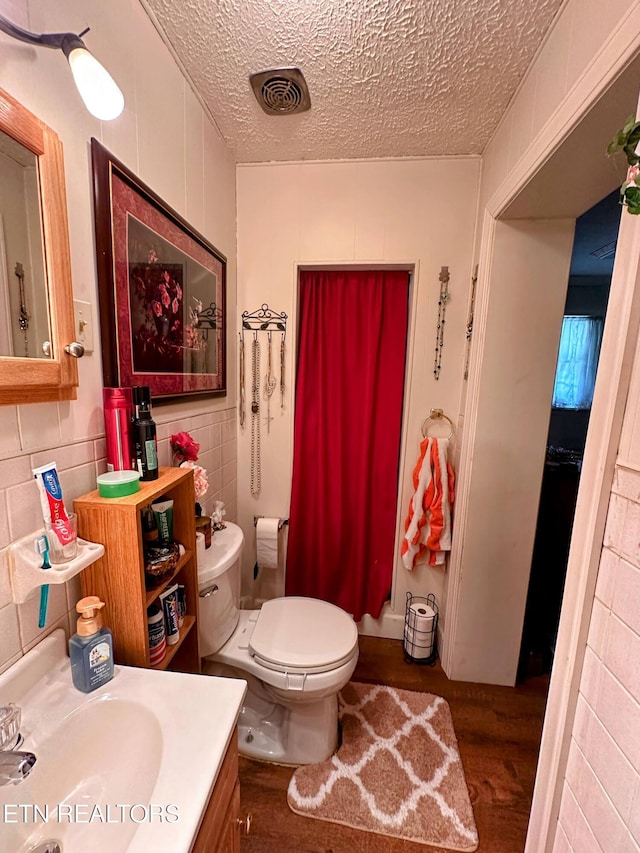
column 161, row 287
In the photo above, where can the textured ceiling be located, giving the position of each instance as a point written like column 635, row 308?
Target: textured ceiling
column 388, row 78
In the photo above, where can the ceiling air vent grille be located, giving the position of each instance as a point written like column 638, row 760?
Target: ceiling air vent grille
column 281, row 91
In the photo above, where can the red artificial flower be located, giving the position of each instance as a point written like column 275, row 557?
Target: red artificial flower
column 184, row 446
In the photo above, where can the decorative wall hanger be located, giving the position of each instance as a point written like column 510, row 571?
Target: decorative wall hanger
column 472, row 305
column 442, row 308
column 264, row 320
column 269, row 321
column 209, row 319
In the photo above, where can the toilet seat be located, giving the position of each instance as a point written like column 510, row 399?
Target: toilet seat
column 302, row 635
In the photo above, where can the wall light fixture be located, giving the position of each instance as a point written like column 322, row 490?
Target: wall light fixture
column 97, row 88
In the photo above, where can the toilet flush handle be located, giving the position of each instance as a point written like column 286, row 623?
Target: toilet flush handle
column 210, row 590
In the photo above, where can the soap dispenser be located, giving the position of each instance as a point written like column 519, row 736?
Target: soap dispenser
column 91, row 648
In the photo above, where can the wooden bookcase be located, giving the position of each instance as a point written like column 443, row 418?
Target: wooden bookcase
column 118, row 578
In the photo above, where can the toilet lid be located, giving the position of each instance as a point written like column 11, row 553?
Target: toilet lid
column 303, row 634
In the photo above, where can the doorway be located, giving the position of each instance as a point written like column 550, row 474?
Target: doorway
column 349, row 397
column 554, row 188
column 585, row 306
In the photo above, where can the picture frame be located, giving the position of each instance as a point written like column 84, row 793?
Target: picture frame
column 162, row 290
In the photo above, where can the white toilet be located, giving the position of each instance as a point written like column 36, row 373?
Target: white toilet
column 296, row 654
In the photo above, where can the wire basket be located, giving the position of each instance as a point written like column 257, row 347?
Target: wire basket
column 421, row 629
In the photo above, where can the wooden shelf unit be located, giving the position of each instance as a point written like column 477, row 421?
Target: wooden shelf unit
column 118, row 577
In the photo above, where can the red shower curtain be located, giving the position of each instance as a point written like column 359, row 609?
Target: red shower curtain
column 348, row 412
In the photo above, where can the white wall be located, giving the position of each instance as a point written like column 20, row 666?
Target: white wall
column 165, row 137
column 417, row 213
column 529, row 275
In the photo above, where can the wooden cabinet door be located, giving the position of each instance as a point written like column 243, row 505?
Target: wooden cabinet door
column 219, row 829
column 230, row 839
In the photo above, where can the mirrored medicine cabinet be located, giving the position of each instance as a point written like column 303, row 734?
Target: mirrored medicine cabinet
column 36, row 296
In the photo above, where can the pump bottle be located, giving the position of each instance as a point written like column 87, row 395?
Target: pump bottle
column 91, row 648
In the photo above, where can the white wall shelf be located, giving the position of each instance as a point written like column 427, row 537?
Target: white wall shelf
column 25, row 565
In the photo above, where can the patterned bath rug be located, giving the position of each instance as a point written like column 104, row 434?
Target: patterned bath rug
column 397, row 771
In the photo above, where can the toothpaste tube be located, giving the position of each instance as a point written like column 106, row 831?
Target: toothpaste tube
column 53, row 510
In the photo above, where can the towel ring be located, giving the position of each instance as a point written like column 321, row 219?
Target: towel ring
column 436, row 415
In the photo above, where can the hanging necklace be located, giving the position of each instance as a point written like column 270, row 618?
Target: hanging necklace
column 255, row 417
column 282, row 371
column 442, row 307
column 241, row 391
column 472, row 304
column 269, row 382
column 24, row 316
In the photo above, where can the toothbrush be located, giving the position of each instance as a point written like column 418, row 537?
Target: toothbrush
column 42, row 547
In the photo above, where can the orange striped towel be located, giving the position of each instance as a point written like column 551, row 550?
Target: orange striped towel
column 428, row 524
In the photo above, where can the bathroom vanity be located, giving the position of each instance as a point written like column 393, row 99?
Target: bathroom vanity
column 146, row 762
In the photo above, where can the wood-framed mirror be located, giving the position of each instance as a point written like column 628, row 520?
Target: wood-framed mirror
column 36, row 318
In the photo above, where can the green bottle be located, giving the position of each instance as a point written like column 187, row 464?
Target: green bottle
column 146, row 448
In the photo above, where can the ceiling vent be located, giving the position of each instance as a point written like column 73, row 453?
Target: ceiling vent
column 281, row 91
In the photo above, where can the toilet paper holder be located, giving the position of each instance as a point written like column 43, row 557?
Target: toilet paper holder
column 281, row 521
column 420, row 640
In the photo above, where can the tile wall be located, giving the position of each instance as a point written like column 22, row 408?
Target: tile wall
column 600, row 808
column 78, row 464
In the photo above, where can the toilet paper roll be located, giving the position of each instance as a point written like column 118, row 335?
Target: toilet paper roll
column 267, row 542
column 421, row 617
column 417, row 652
column 200, row 548
column 422, row 639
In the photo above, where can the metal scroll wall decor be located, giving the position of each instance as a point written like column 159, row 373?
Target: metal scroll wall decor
column 269, row 321
column 442, row 309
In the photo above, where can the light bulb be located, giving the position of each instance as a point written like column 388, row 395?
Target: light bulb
column 97, row 88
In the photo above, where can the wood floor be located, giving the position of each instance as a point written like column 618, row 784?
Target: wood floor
column 498, row 731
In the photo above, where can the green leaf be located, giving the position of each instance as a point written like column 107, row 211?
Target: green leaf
column 627, row 139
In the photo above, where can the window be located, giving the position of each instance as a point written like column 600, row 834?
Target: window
column 577, row 362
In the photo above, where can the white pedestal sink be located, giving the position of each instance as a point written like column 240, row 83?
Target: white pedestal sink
column 129, row 767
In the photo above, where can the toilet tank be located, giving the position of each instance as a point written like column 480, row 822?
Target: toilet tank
column 219, row 588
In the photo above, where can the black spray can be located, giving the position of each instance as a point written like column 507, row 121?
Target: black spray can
column 144, row 435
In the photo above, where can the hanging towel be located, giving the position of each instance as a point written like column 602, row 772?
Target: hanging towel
column 428, row 524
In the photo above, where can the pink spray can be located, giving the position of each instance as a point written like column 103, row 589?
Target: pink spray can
column 118, row 409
